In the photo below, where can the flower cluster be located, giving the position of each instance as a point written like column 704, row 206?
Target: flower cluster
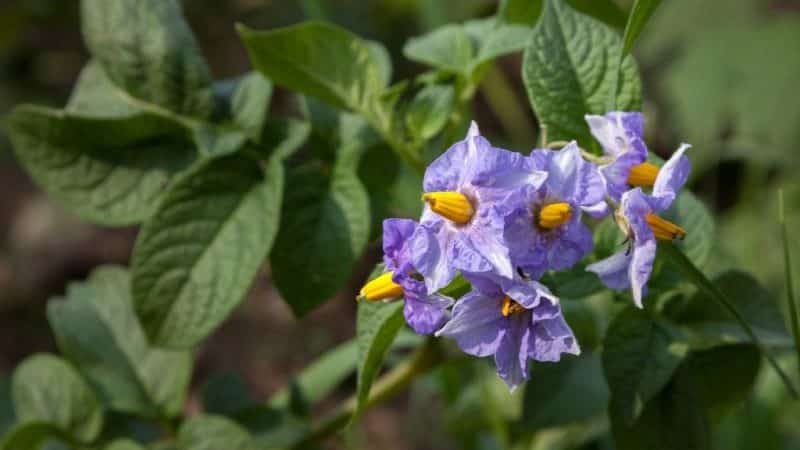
column 501, row 220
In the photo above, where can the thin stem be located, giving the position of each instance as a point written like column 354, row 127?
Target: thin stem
column 702, row 282
column 787, row 267
column 503, row 101
column 424, row 359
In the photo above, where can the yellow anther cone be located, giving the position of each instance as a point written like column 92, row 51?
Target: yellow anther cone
column 663, row 229
column 381, row 288
column 451, row 205
column 510, row 307
column 554, row 215
column 643, row 175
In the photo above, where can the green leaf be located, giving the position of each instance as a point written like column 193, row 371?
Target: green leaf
column 109, row 171
column 725, row 376
column 148, row 50
column 527, row 12
column 324, row 225
column 673, row 420
column 209, row 432
column 47, row 389
column 572, row 390
column 640, row 355
column 319, row 378
column 691, row 214
column 706, row 386
column 95, row 95
column 7, row 418
column 576, row 283
column 788, row 276
column 570, row 70
column 499, row 40
column 318, row 59
column 31, row 436
column 448, row 48
column 637, row 19
column 524, row 12
column 383, row 60
column 712, row 325
column 196, row 258
column 226, row 394
column 123, row 444
column 429, row 111
column 493, row 38
column 696, row 276
column 97, row 330
column 250, row 104
column 377, row 325
column 606, row 11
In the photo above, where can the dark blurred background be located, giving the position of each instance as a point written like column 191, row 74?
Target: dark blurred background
column 723, row 75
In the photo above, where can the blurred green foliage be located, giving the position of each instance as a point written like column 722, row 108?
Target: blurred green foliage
column 721, row 75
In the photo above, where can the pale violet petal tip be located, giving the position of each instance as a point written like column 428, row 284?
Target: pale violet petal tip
column 474, row 131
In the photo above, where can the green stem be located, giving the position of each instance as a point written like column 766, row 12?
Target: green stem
column 787, row 267
column 505, row 104
column 424, row 359
column 687, row 267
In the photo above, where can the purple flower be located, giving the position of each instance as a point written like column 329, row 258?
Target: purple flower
column 544, row 228
column 620, row 135
column 521, row 320
column 424, row 313
column 466, row 192
column 637, row 217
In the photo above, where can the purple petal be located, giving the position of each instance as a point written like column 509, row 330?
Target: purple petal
column 444, row 173
column 635, row 207
column 511, row 357
column 467, row 258
column 476, row 324
column 572, row 179
column 521, row 236
column 528, row 293
column 502, row 170
column 616, row 173
column 597, row 210
column 644, row 253
column 486, row 284
column 396, row 232
column 429, row 247
column 548, row 308
column 551, row 338
column 489, row 245
column 618, row 132
column 570, row 246
column 613, row 271
column 671, row 178
column 473, row 130
column 426, row 313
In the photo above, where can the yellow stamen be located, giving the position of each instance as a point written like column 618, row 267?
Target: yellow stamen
column 554, row 215
column 664, row 230
column 454, row 206
column 643, row 175
column 381, row 288
column 511, row 307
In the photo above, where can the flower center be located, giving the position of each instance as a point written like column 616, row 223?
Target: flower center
column 381, row 288
column 643, row 175
column 451, row 205
column 554, row 215
column 664, row 230
column 510, row 307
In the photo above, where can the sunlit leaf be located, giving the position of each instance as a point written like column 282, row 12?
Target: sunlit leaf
column 47, row 389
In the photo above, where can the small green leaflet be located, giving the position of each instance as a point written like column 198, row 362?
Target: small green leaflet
column 570, row 70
